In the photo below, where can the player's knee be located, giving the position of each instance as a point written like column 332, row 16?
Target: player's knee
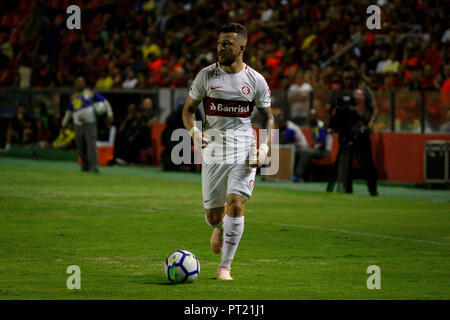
column 214, row 216
column 236, row 207
column 212, row 220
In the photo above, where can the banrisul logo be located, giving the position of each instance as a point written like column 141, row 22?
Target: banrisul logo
column 221, row 107
column 233, row 108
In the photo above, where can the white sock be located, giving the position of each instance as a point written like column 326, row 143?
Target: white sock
column 233, row 228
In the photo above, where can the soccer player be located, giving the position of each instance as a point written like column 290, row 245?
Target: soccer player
column 229, row 89
column 81, row 110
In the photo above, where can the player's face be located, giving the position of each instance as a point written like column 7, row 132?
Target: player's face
column 228, row 48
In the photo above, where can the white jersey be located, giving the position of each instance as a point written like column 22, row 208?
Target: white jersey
column 228, row 102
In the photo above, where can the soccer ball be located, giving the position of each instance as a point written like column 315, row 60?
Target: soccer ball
column 99, row 108
column 182, row 266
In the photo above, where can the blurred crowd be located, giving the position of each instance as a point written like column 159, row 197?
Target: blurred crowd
column 140, row 44
column 129, row 133
column 38, row 128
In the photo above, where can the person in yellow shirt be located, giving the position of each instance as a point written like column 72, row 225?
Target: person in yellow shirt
column 105, row 82
column 65, row 139
column 392, row 65
column 150, row 48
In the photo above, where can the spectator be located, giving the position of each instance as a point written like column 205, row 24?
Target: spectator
column 42, row 115
column 122, row 145
column 6, row 52
column 446, row 36
column 24, row 74
column 54, row 126
column 427, row 80
column 283, row 35
column 174, row 121
column 290, row 133
column 105, row 82
column 445, row 90
column 299, row 95
column 321, row 148
column 149, row 111
column 445, row 127
column 392, row 65
column 433, row 56
column 415, row 84
column 42, row 135
column 21, row 129
column 144, row 131
column 65, row 139
column 150, row 48
column 131, row 80
column 106, row 133
column 385, row 61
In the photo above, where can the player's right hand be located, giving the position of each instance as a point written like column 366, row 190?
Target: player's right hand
column 257, row 158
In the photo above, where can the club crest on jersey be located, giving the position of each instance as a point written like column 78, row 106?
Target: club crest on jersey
column 245, row 90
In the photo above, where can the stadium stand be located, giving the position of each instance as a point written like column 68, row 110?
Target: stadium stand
column 166, row 42
column 127, row 45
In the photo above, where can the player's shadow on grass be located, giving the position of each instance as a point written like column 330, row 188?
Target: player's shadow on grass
column 151, row 279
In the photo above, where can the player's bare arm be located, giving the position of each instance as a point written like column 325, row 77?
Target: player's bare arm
column 189, row 109
column 266, row 140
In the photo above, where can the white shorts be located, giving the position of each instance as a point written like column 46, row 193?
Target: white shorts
column 220, row 180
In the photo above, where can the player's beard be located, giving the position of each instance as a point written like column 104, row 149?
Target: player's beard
column 228, row 59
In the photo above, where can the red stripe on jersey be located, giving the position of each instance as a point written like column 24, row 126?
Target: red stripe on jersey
column 227, row 108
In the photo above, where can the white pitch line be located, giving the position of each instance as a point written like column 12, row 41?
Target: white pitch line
column 368, row 234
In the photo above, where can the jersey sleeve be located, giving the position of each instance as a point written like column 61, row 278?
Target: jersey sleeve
column 198, row 87
column 262, row 96
column 70, row 106
column 98, row 96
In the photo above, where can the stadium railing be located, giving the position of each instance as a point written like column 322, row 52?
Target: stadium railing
column 398, row 110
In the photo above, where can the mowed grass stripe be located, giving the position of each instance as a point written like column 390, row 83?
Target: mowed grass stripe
column 115, row 206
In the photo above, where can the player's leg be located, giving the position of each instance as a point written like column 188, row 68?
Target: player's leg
column 81, row 147
column 240, row 187
column 91, row 138
column 214, row 184
column 215, row 218
column 233, row 228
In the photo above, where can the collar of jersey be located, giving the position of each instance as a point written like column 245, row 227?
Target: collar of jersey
column 231, row 74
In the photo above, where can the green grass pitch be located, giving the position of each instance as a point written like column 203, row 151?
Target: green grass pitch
column 119, row 227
